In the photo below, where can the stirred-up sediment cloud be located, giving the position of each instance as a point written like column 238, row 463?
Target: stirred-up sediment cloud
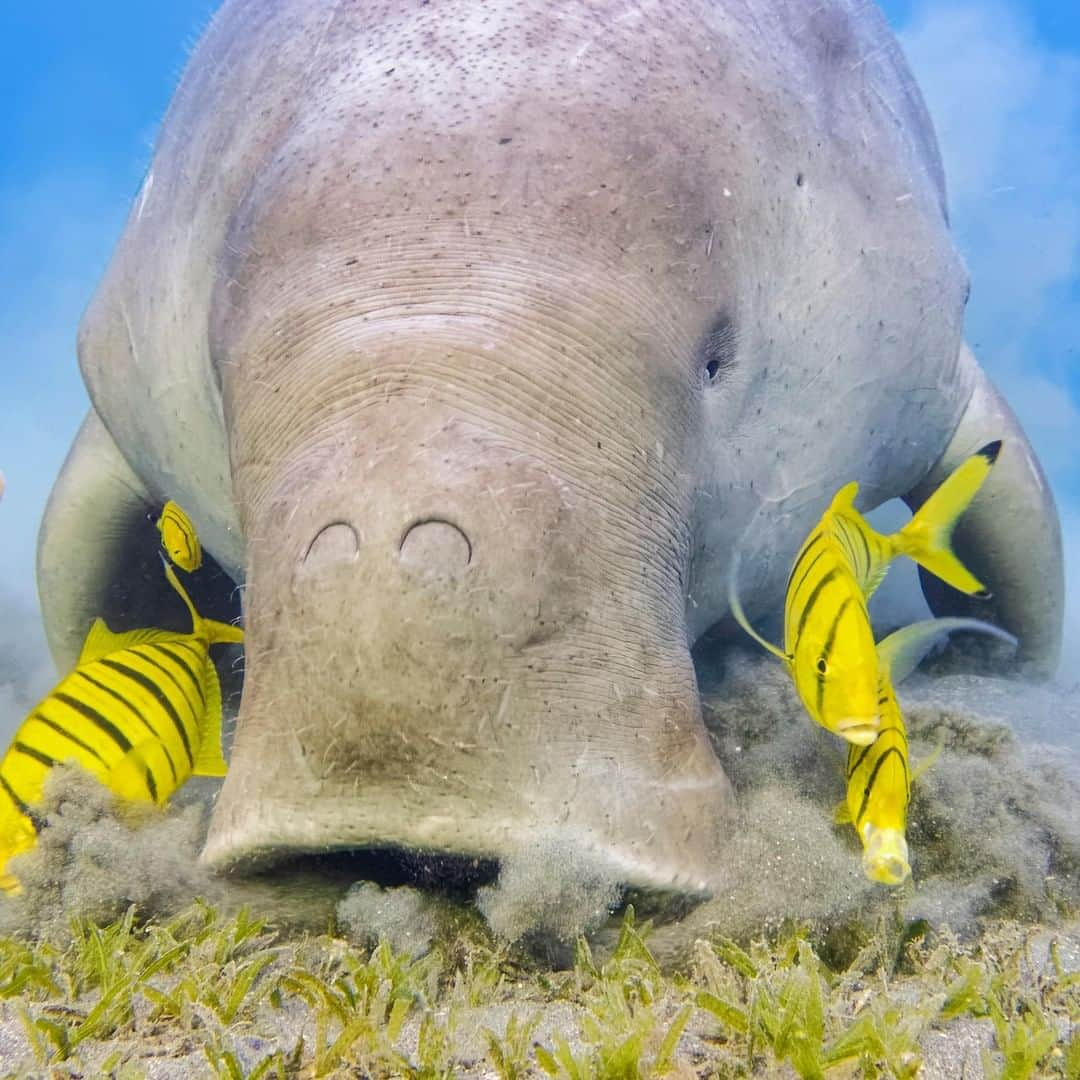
column 1006, row 106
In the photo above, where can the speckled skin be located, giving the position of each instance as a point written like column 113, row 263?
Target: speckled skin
column 474, row 336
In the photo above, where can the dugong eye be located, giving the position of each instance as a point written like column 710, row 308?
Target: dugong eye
column 822, row 666
column 717, row 349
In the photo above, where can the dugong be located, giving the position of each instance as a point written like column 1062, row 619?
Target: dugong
column 476, row 336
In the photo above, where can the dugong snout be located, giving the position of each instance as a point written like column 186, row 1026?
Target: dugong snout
column 447, row 651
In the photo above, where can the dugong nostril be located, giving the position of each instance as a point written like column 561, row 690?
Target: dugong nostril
column 337, row 542
column 435, row 546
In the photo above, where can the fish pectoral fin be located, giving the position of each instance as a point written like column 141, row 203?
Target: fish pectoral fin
column 842, row 813
column 209, row 760
column 874, row 578
column 924, row 765
column 101, row 641
column 740, row 616
column 134, row 779
column 902, row 651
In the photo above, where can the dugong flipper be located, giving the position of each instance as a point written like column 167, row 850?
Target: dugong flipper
column 1010, row 536
column 96, row 502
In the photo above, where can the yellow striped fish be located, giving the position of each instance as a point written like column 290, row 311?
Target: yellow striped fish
column 878, row 775
column 828, row 639
column 141, row 712
column 178, row 537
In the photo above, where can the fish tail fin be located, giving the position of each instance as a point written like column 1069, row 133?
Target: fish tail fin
column 740, row 615
column 209, row 760
column 926, row 537
column 842, row 813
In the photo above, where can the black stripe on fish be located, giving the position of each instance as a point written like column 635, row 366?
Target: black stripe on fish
column 165, row 671
column 35, row 753
column 24, row 808
column 812, row 599
column 873, row 780
column 102, row 723
column 61, row 730
column 793, row 592
column 864, row 750
column 152, row 688
column 894, row 727
column 802, row 555
column 136, row 712
column 195, row 682
column 830, row 640
column 169, row 514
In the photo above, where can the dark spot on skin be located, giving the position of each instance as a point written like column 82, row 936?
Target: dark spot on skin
column 389, row 71
column 505, row 139
column 717, row 350
column 799, row 180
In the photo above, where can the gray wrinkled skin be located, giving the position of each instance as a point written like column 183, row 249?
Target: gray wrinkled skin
column 474, row 337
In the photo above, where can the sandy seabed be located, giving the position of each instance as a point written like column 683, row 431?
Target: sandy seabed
column 976, row 959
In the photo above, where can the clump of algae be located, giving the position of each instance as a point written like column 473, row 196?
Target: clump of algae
column 549, row 893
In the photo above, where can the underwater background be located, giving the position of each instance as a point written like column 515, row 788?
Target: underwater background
column 85, row 87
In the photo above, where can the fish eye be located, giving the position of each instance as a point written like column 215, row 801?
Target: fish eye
column 822, row 666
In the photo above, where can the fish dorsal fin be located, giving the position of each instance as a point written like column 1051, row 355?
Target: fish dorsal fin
column 844, row 499
column 740, row 615
column 101, row 641
column 209, row 760
column 901, row 652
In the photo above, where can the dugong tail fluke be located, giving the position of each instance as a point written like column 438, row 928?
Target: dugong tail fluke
column 1010, row 536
